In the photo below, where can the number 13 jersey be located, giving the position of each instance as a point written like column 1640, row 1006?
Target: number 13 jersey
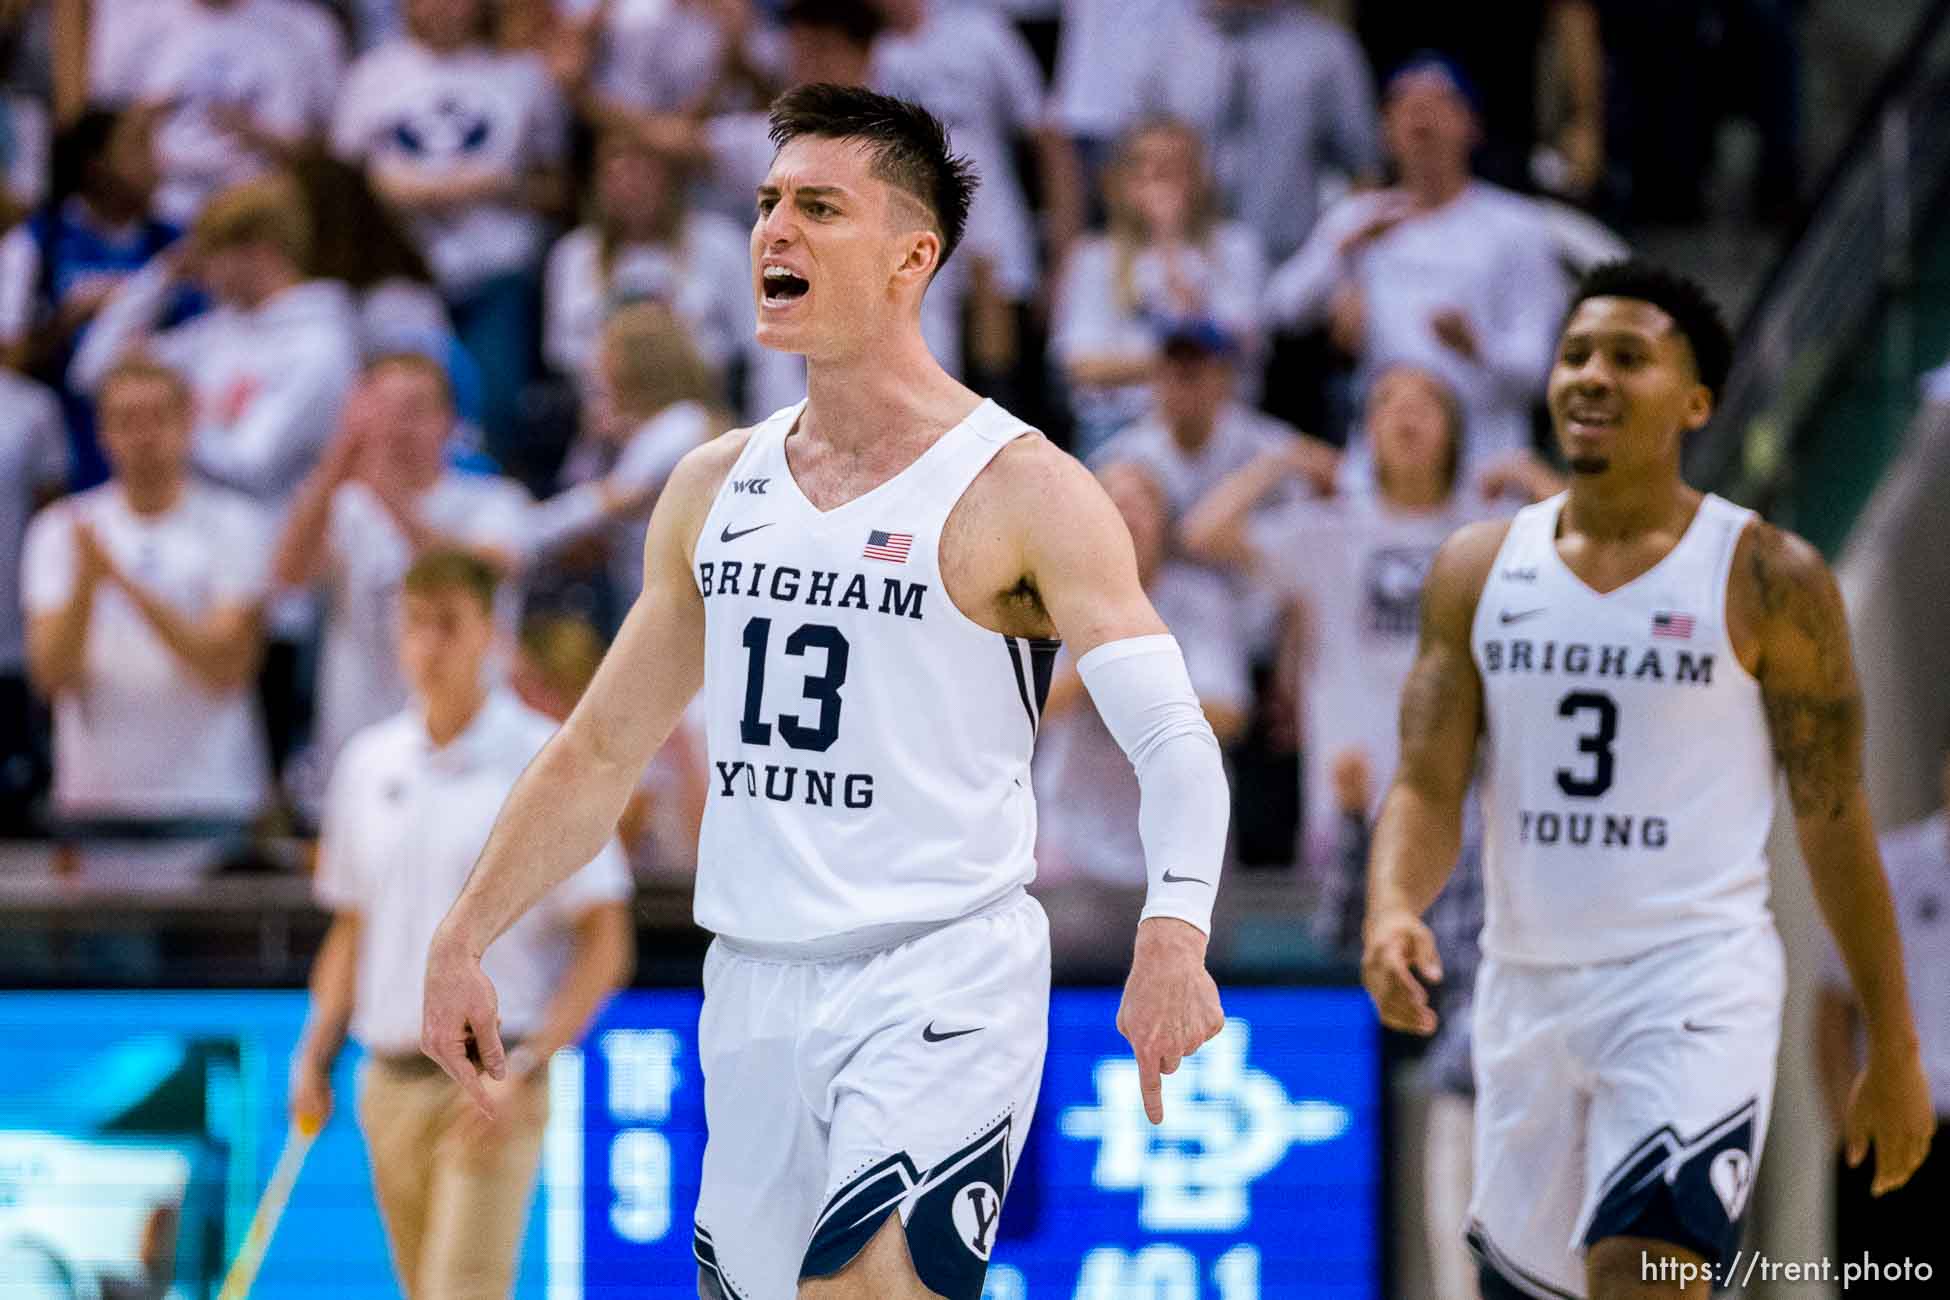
column 869, row 743
column 1628, row 774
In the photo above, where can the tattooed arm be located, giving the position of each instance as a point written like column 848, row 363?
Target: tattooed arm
column 1814, row 713
column 1419, row 834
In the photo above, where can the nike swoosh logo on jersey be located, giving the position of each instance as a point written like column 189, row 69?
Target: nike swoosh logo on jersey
column 1694, row 1027
column 1507, row 617
column 728, row 536
column 928, row 1035
column 1184, row 880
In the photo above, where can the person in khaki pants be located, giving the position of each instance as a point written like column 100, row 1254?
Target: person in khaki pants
column 410, row 805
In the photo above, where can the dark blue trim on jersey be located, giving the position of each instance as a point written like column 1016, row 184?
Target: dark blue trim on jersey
column 1022, row 681
column 1663, row 1189
column 950, row 1253
column 1504, row 1278
column 708, row 1272
column 1042, row 661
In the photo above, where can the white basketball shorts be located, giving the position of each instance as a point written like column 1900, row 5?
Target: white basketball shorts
column 838, row 1092
column 1620, row 1099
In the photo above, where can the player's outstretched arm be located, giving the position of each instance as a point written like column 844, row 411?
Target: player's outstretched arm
column 1077, row 557
column 566, row 804
column 1419, row 833
column 1785, row 592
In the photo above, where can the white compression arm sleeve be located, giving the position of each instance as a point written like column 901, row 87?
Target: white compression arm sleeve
column 1145, row 697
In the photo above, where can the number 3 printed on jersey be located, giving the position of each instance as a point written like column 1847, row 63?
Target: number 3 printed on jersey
column 822, row 689
column 1596, row 742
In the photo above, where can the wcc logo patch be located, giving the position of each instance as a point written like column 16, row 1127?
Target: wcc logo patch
column 754, row 486
column 976, row 1209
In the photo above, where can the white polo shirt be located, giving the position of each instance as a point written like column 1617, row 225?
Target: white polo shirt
column 1917, row 858
column 404, row 823
column 143, row 736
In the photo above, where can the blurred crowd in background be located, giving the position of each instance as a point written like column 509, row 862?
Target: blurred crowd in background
column 294, row 290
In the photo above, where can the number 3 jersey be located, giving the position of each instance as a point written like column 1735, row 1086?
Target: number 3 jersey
column 869, row 744
column 1628, row 774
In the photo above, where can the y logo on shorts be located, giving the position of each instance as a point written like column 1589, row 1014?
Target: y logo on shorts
column 977, row 1207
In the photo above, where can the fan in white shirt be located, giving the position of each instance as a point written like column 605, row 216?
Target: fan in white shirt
column 269, row 366
column 1352, row 568
column 645, row 242
column 143, row 600
column 1442, row 271
column 465, row 139
column 653, row 399
column 241, row 85
column 1167, row 256
column 381, row 496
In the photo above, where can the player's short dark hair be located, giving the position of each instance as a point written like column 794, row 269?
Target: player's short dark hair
column 909, row 146
column 858, row 22
column 1692, row 310
column 449, row 568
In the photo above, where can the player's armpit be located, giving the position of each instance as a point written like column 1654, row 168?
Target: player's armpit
column 1806, row 671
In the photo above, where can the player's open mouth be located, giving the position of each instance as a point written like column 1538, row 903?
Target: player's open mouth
column 783, row 287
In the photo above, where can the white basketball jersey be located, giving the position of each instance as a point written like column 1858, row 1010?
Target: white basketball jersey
column 1628, row 774
column 869, row 743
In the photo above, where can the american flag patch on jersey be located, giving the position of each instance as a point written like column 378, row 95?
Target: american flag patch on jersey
column 892, row 547
column 1666, row 623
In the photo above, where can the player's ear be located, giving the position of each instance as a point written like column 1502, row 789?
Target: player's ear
column 921, row 254
column 1699, row 408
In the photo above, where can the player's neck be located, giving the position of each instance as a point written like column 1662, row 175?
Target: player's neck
column 1434, row 187
column 1616, row 506
column 881, row 399
column 149, row 497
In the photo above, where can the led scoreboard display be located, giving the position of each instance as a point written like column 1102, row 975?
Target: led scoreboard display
column 1264, row 1179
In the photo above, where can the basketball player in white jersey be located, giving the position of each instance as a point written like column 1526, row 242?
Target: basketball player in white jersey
column 867, row 587
column 1633, row 663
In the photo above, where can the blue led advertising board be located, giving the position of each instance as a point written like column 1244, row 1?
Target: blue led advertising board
column 137, row 1131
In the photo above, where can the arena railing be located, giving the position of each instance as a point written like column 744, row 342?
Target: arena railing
column 1853, row 248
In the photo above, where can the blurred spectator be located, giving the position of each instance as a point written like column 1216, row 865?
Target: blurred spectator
column 1441, row 270
column 1352, row 568
column 467, row 142
column 638, row 58
column 1085, row 788
column 1904, row 1224
column 362, row 245
column 382, row 495
column 1279, row 93
column 269, row 365
column 239, row 86
column 975, row 72
column 1505, row 50
column 25, row 124
column 58, row 267
column 556, row 658
column 1166, row 257
column 143, row 599
column 1103, row 51
column 33, row 470
column 652, row 400
column 1199, row 431
column 643, row 242
column 410, row 808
